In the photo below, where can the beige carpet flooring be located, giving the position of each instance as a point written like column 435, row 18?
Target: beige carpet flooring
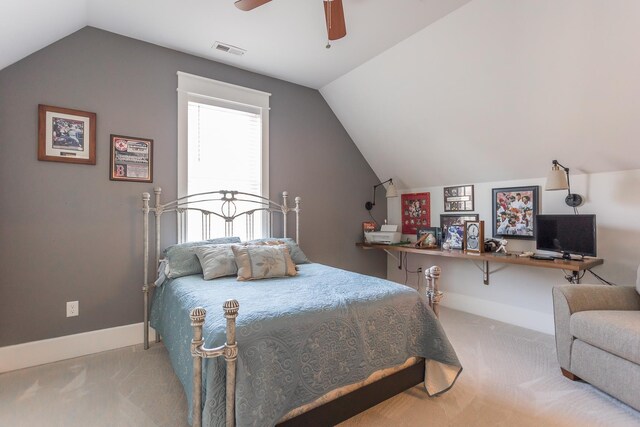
column 510, row 378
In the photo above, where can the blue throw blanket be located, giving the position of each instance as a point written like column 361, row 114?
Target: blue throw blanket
column 299, row 337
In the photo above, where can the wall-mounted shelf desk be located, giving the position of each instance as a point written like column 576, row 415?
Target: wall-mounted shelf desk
column 576, row 267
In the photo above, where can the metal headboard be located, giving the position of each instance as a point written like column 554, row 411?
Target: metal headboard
column 222, row 204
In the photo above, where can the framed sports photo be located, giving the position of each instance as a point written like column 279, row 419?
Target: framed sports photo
column 66, row 135
column 428, row 237
column 474, row 236
column 514, row 212
column 452, row 226
column 458, row 199
column 131, row 159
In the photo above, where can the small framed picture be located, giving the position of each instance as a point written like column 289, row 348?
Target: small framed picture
column 458, row 199
column 514, row 212
column 452, row 226
column 367, row 226
column 454, row 236
column 131, row 159
column 66, row 135
column 429, row 237
column 474, row 236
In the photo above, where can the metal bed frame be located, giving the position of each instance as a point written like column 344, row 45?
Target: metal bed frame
column 227, row 211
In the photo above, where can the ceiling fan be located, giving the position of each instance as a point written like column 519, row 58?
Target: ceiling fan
column 333, row 13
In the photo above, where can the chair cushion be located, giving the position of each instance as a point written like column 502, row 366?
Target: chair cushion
column 617, row 332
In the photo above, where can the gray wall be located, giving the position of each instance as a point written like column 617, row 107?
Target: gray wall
column 68, row 233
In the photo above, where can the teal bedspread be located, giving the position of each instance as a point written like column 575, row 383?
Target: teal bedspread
column 299, row 337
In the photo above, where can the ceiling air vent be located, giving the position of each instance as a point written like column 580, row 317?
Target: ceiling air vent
column 223, row 47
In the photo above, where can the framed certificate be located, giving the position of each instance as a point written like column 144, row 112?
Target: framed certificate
column 131, row 159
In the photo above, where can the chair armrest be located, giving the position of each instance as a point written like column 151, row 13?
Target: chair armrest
column 598, row 297
column 569, row 299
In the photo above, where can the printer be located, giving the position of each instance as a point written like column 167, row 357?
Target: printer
column 388, row 235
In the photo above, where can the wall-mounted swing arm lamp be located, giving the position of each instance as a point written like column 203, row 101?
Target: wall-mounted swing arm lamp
column 558, row 179
column 391, row 192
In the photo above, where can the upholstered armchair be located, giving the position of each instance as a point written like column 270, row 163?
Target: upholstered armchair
column 598, row 337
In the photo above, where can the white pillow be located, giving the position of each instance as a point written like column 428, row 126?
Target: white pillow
column 216, row 261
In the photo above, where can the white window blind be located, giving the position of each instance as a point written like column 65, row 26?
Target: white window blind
column 222, row 145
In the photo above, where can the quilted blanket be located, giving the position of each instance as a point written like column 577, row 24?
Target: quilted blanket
column 300, row 337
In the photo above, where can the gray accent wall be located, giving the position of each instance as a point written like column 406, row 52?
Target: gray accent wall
column 68, row 233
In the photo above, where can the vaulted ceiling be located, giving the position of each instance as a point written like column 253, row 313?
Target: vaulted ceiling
column 432, row 92
column 498, row 89
column 285, row 39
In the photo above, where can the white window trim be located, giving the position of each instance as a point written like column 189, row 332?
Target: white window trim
column 197, row 88
column 192, row 87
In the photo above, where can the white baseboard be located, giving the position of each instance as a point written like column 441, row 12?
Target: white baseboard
column 52, row 350
column 530, row 319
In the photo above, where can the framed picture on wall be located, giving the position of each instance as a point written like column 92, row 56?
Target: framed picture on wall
column 131, row 159
column 416, row 212
column 66, row 135
column 452, row 226
column 458, row 199
column 514, row 211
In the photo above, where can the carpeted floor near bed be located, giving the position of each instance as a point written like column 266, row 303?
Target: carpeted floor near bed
column 511, row 378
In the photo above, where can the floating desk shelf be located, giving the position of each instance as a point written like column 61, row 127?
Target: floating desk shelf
column 574, row 266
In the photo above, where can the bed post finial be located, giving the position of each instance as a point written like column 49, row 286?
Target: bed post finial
column 197, row 316
column 434, row 295
column 231, row 308
column 145, row 254
column 298, row 201
column 285, row 209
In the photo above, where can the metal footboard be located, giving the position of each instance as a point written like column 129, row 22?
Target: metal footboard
column 199, row 352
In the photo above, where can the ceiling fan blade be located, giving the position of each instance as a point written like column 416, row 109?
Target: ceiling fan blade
column 247, row 5
column 334, row 15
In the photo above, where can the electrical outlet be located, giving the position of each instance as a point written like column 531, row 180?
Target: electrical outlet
column 73, row 308
column 419, row 269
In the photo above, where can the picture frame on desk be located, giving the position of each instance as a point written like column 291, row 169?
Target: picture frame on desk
column 474, row 236
column 425, row 241
column 454, row 237
column 367, row 226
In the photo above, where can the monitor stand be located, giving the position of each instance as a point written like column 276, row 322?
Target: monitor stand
column 567, row 256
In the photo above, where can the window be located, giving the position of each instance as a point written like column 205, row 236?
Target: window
column 222, row 145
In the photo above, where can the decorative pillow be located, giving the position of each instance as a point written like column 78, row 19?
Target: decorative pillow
column 296, row 253
column 216, row 261
column 262, row 262
column 182, row 257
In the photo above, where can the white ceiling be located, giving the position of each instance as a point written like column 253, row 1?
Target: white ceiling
column 284, row 39
column 496, row 90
